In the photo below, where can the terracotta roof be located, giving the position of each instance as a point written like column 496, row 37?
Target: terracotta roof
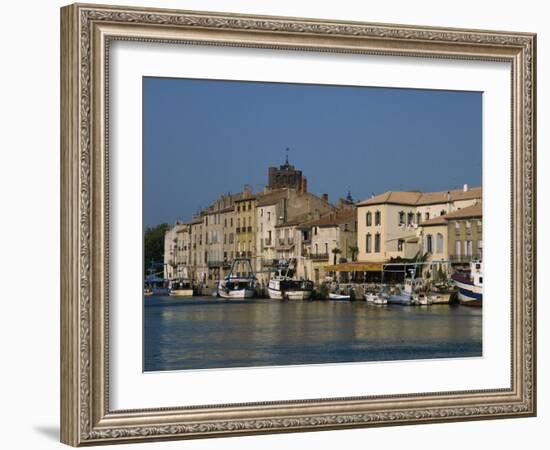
column 332, row 219
column 422, row 198
column 464, row 213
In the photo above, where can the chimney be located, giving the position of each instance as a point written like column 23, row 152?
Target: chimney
column 303, row 187
column 465, row 188
column 325, row 197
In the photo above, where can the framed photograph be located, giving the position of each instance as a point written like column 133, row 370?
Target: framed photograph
column 276, row 224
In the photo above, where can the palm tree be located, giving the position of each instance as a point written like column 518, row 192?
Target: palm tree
column 336, row 251
column 354, row 250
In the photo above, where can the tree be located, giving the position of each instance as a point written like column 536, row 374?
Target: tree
column 354, row 250
column 153, row 244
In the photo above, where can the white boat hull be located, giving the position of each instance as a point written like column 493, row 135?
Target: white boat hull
column 237, row 294
column 332, row 296
column 289, row 295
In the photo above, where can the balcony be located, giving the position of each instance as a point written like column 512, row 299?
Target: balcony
column 268, row 242
column 319, row 256
column 465, row 258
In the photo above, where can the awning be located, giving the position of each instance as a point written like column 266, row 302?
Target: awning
column 354, row 267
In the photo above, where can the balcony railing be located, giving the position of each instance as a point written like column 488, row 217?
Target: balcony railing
column 319, row 256
column 465, row 258
column 268, row 242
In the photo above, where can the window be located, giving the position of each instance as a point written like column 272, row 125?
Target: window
column 442, row 212
column 316, row 249
column 206, row 220
column 369, row 243
column 401, row 218
column 377, row 243
column 429, row 243
column 231, row 220
column 439, row 243
column 479, row 248
column 410, row 218
column 238, row 208
column 369, row 219
column 400, row 245
column 326, row 248
column 377, row 218
column 418, row 218
column 225, row 222
column 315, row 231
column 470, row 248
column 261, row 212
column 268, row 216
column 427, row 216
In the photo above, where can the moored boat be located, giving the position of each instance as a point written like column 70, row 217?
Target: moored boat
column 470, row 284
column 335, row 296
column 404, row 296
column 283, row 285
column 181, row 288
column 240, row 283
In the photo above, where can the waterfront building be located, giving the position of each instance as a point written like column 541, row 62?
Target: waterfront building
column 198, row 257
column 329, row 240
column 453, row 239
column 170, row 244
column 181, row 256
column 388, row 224
column 245, row 225
column 278, row 214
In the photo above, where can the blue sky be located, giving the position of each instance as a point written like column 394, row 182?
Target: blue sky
column 202, row 138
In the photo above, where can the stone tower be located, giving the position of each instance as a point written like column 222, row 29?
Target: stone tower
column 286, row 176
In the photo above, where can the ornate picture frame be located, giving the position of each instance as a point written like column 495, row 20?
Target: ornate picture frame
column 86, row 34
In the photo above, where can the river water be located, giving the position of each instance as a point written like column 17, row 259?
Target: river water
column 206, row 332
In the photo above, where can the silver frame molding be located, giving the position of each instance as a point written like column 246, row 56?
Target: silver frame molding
column 86, row 32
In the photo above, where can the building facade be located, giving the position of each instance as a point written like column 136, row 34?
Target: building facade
column 389, row 224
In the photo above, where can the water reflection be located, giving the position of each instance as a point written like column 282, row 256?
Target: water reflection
column 201, row 333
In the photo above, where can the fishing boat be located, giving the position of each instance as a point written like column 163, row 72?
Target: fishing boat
column 283, row 285
column 240, row 282
column 404, row 296
column 181, row 288
column 470, row 284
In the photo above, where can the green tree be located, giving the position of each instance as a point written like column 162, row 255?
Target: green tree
column 354, row 250
column 153, row 245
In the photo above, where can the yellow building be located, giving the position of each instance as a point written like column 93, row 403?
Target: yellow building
column 245, row 226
